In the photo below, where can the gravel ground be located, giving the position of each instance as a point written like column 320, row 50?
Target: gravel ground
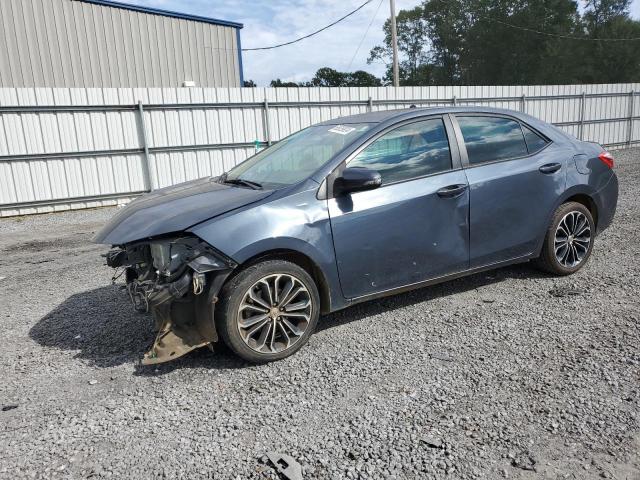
column 490, row 376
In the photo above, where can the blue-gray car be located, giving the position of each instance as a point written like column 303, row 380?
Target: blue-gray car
column 354, row 209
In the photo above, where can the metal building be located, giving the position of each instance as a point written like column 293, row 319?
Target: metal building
column 101, row 43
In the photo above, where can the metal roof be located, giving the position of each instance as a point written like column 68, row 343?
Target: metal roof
column 165, row 13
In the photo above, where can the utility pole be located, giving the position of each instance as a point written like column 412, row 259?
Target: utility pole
column 394, row 43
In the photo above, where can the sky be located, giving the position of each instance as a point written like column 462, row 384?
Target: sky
column 270, row 22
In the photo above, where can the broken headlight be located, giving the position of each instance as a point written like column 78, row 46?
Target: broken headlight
column 171, row 256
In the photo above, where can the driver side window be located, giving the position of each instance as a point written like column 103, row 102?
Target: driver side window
column 411, row 151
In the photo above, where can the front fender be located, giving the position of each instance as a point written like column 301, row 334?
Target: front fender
column 299, row 222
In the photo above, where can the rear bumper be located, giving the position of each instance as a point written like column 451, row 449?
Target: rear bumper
column 607, row 200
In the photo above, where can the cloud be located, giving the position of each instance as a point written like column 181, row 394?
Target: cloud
column 277, row 21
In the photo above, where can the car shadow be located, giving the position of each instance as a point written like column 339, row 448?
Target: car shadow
column 102, row 328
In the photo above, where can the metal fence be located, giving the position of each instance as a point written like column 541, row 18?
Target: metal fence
column 81, row 148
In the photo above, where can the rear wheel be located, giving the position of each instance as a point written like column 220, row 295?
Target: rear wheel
column 568, row 241
column 268, row 311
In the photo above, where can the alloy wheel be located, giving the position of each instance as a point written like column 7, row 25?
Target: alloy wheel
column 572, row 239
column 274, row 313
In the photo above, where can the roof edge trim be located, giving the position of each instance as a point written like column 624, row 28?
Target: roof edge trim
column 164, row 13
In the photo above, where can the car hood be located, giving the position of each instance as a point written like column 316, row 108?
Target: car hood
column 176, row 208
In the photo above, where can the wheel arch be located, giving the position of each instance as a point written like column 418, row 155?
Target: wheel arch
column 580, row 194
column 587, row 201
column 302, row 260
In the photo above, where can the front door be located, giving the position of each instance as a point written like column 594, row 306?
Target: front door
column 412, row 228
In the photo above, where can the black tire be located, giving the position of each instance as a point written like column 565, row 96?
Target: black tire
column 233, row 294
column 547, row 260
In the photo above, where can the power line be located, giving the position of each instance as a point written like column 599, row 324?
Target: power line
column 364, row 36
column 311, row 34
column 559, row 35
column 549, row 34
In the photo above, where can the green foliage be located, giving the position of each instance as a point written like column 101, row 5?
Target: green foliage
column 328, row 77
column 279, row 83
column 474, row 42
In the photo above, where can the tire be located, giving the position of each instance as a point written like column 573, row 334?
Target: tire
column 578, row 250
column 243, row 301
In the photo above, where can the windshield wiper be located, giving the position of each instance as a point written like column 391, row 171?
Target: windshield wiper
column 241, row 181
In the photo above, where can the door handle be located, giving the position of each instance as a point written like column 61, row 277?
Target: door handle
column 452, row 191
column 550, row 168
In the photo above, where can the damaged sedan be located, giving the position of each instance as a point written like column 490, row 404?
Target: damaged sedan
column 351, row 210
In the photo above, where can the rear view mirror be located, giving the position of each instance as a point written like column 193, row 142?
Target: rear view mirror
column 357, row 179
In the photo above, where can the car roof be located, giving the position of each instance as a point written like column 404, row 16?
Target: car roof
column 390, row 115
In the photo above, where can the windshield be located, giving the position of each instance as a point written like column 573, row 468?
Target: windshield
column 296, row 157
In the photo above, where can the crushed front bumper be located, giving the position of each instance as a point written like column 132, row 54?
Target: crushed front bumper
column 184, row 307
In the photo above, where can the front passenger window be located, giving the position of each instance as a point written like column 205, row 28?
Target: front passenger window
column 410, row 151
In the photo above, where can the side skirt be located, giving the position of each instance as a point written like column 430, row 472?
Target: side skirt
column 436, row 280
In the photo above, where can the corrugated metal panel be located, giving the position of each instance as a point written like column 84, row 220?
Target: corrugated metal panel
column 67, row 43
column 195, row 132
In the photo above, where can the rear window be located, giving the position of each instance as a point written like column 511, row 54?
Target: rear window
column 492, row 138
column 534, row 141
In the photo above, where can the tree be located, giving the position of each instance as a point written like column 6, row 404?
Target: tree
column 502, row 42
column 611, row 61
column 280, row 83
column 412, row 43
column 249, row 83
column 360, row 78
column 329, row 77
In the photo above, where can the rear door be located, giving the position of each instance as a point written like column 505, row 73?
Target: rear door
column 515, row 177
column 412, row 228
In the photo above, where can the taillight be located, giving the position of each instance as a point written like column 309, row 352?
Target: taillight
column 606, row 158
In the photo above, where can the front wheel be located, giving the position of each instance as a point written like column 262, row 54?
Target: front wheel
column 268, row 311
column 568, row 241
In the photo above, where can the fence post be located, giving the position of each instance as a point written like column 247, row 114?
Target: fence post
column 146, row 172
column 631, row 113
column 582, row 107
column 267, row 127
column 523, row 103
column 370, row 104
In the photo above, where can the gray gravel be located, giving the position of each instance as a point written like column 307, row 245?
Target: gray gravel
column 490, row 376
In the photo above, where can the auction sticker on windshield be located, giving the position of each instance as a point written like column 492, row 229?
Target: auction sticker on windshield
column 342, row 129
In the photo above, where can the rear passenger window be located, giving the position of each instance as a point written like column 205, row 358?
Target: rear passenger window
column 534, row 141
column 410, row 151
column 492, row 138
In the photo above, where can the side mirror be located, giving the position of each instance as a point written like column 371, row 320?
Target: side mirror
column 357, row 179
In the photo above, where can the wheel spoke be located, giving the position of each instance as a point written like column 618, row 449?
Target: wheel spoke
column 291, row 296
column 297, row 306
column 249, row 322
column 267, row 292
column 284, row 333
column 286, row 291
column 258, row 300
column 295, row 330
column 262, row 340
column 257, row 328
column 276, row 289
column 295, row 315
column 257, row 308
column 273, row 336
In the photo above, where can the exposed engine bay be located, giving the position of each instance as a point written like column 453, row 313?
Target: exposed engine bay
column 177, row 279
